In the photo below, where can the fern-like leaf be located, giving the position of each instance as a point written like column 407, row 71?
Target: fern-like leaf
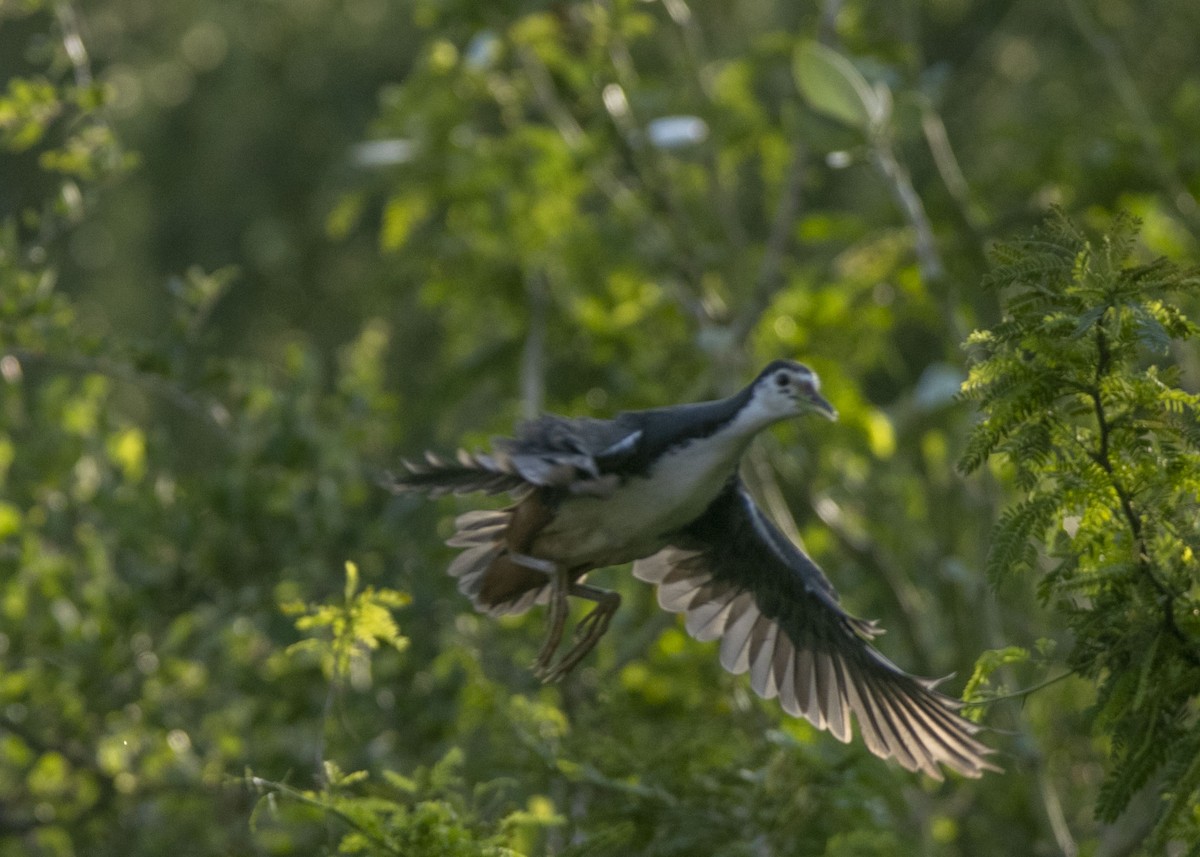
column 1013, row 544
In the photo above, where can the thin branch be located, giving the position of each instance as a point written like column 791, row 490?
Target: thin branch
column 772, row 495
column 1054, row 814
column 865, row 552
column 305, row 798
column 929, row 258
column 68, row 22
column 211, row 413
column 1028, row 691
column 1101, row 455
column 695, row 58
column 693, row 43
column 646, row 162
column 533, row 352
column 946, row 162
column 319, row 773
column 1131, row 100
column 883, row 156
column 547, row 98
column 770, row 271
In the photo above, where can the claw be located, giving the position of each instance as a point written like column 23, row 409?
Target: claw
column 587, row 634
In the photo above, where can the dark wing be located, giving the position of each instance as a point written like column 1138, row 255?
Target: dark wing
column 736, row 576
column 550, row 452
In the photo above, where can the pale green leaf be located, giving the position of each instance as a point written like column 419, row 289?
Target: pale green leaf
column 835, row 88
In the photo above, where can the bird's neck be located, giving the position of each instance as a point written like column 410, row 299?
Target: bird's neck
column 719, row 435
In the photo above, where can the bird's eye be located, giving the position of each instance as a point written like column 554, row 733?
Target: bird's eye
column 781, row 380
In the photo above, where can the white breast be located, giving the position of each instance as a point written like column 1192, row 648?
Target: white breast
column 635, row 520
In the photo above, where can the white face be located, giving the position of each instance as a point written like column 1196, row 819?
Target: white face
column 791, row 389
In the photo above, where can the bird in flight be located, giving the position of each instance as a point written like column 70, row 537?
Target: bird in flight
column 660, row 488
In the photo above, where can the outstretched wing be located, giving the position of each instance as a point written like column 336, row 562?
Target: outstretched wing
column 577, row 455
column 736, row 576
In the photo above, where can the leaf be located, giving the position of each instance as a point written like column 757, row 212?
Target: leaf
column 836, row 89
column 1087, row 321
column 402, row 214
column 10, row 520
column 982, row 442
column 1181, row 803
column 342, row 632
column 1150, row 332
column 1012, row 540
column 987, row 663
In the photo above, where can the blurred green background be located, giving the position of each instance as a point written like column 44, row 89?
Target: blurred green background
column 254, row 252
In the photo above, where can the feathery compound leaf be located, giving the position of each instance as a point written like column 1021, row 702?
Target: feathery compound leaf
column 982, row 442
column 1029, row 270
column 1071, row 399
column 1013, row 544
column 1184, row 798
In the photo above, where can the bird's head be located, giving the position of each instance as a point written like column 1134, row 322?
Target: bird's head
column 788, row 389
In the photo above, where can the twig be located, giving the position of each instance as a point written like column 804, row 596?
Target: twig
column 303, row 797
column 533, row 352
column 938, row 141
column 543, row 91
column 865, row 552
column 928, row 257
column 770, row 271
column 696, row 59
column 68, row 22
column 772, row 495
column 1028, row 691
column 211, row 413
column 646, row 162
column 1134, row 520
column 1054, row 814
column 1133, row 103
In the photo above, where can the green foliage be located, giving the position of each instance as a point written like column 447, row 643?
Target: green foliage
column 1079, row 401
column 425, row 814
column 27, row 109
column 985, row 666
column 59, row 117
column 835, row 88
column 350, row 631
column 206, row 361
column 420, row 816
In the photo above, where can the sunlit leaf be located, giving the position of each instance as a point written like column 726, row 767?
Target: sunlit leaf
column 835, row 88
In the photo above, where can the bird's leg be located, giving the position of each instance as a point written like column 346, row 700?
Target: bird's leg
column 558, row 607
column 589, row 631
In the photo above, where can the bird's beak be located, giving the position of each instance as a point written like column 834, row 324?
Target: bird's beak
column 821, row 405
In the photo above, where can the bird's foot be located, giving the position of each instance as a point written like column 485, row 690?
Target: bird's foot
column 588, row 632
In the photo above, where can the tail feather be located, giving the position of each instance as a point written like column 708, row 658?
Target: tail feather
column 470, row 472
column 483, row 527
column 486, row 574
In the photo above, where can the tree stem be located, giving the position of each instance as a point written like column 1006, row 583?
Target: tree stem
column 1103, row 458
